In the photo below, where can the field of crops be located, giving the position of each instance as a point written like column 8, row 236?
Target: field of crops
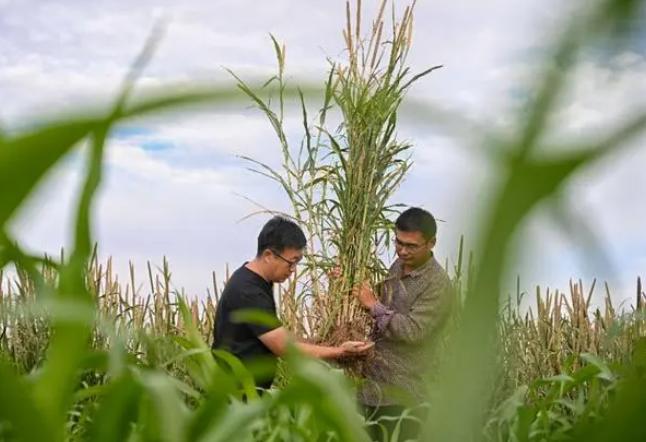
column 561, row 359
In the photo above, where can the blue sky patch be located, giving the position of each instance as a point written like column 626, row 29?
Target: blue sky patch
column 156, row 145
column 125, row 132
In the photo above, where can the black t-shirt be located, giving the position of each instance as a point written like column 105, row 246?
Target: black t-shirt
column 246, row 290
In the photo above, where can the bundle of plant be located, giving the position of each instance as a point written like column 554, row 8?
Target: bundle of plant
column 371, row 161
column 340, row 181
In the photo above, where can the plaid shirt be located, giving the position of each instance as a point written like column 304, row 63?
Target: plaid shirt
column 411, row 311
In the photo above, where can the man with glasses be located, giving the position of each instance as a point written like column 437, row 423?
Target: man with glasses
column 409, row 307
column 250, row 289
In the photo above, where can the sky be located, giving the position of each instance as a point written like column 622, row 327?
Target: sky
column 176, row 187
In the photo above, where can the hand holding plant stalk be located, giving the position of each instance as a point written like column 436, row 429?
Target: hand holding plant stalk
column 365, row 295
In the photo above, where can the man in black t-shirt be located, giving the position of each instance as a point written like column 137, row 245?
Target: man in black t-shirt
column 250, row 288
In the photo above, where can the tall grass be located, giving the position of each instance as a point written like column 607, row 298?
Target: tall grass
column 562, row 362
column 341, row 181
column 542, row 341
column 134, row 308
column 538, row 340
column 554, row 352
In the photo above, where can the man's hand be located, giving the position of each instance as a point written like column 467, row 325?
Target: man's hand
column 365, row 295
column 355, row 348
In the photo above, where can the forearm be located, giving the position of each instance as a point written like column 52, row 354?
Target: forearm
column 319, row 351
column 382, row 315
column 279, row 339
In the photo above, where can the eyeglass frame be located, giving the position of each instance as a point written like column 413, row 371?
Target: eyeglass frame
column 411, row 247
column 291, row 264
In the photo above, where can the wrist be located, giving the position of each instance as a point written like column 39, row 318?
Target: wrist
column 378, row 309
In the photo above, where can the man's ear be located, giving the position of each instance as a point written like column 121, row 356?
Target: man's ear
column 431, row 243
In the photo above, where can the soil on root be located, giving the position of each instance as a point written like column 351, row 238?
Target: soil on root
column 353, row 365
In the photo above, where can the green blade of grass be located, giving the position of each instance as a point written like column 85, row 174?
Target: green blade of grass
column 17, row 407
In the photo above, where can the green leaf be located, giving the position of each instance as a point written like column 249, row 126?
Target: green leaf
column 328, row 393
column 240, row 373
column 26, row 158
column 17, row 408
column 604, row 371
column 118, row 410
column 235, row 422
column 166, row 415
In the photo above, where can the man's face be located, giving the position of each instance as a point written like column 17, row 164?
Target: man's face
column 284, row 263
column 412, row 248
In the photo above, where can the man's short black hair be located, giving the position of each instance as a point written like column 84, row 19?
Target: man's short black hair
column 417, row 220
column 279, row 234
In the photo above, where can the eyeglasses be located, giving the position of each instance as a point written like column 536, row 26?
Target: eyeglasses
column 292, row 264
column 410, row 246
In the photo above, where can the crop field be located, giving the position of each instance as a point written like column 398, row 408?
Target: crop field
column 86, row 354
